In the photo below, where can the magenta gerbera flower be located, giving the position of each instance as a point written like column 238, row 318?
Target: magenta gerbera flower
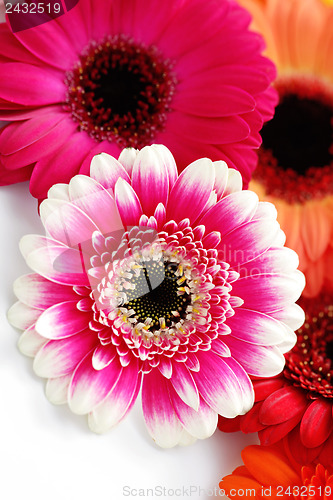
column 112, row 74
column 181, row 284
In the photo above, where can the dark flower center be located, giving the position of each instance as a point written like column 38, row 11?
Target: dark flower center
column 120, row 91
column 310, row 363
column 296, row 157
column 163, row 303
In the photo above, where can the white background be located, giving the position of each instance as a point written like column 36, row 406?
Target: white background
column 48, row 453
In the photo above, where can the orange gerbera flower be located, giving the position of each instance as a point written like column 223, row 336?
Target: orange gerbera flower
column 268, row 472
column 295, row 169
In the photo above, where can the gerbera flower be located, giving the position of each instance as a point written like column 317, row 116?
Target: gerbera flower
column 295, row 169
column 298, row 404
column 271, row 473
column 112, row 74
column 181, row 283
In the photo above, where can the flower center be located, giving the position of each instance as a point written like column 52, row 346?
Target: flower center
column 120, row 91
column 166, row 299
column 310, row 363
column 296, row 157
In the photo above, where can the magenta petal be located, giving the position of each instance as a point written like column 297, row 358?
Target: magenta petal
column 150, row 179
column 230, row 212
column 244, row 382
column 20, row 135
column 31, row 85
column 259, row 361
column 222, row 100
column 59, row 357
column 66, row 223
column 201, row 423
column 255, row 327
column 62, row 320
column 197, row 178
column 55, row 262
column 61, row 165
column 106, row 170
column 54, row 139
column 248, row 241
column 128, row 203
column 120, row 400
column 184, row 385
column 161, row 420
column 103, row 355
column 218, row 385
column 273, row 291
column 40, row 293
column 89, row 387
column 96, row 202
column 50, row 44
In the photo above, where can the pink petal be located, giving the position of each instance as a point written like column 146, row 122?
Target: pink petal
column 59, row 357
column 150, row 179
column 168, row 161
column 209, row 130
column 106, row 170
column 61, row 165
column 272, row 291
column 197, row 178
column 244, row 382
column 255, row 327
column 31, row 85
column 89, row 387
column 218, row 101
column 95, row 201
column 30, row 342
column 118, row 403
column 56, row 263
column 66, row 223
column 22, row 316
column 50, row 44
column 292, row 315
column 200, row 423
column 248, row 241
column 218, row 385
column 161, row 420
column 62, row 320
column 184, row 385
column 12, row 49
column 275, row 260
column 13, row 176
column 127, row 159
column 56, row 389
column 103, row 356
column 18, row 136
column 40, row 293
column 230, row 212
column 260, row 361
column 128, row 203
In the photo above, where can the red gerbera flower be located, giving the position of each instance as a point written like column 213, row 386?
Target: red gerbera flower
column 297, row 405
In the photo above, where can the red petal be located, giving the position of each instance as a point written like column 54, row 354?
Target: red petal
column 229, row 424
column 250, row 422
column 264, row 387
column 284, row 404
column 316, row 423
column 274, row 433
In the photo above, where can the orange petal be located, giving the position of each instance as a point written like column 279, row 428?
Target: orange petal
column 315, row 230
column 234, row 484
column 269, row 467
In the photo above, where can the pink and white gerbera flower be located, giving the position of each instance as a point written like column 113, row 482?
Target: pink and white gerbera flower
column 179, row 284
column 112, row 73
